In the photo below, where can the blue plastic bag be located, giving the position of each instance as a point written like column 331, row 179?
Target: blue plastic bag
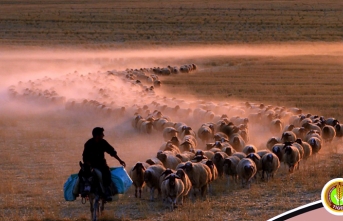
column 69, row 186
column 121, row 179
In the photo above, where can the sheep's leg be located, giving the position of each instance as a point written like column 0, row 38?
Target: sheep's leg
column 152, row 190
column 136, row 192
column 228, row 181
column 140, row 192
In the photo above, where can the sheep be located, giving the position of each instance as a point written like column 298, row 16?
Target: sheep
column 146, row 127
column 186, row 182
column 189, row 143
column 186, row 131
column 240, row 155
column 307, row 148
column 331, row 121
column 219, row 135
column 288, row 136
column 271, row 142
column 291, row 157
column 339, row 130
column 289, row 127
column 165, row 173
column 206, row 133
column 230, row 168
column 257, row 160
column 237, row 142
column 270, row 164
column 200, row 176
column 246, row 170
column 169, row 133
column 300, row 132
column 172, row 148
column 137, row 175
column 261, row 153
column 278, row 150
column 172, row 188
column 276, row 126
column 154, row 161
column 208, row 154
column 328, row 134
column 168, row 159
column 152, row 178
column 249, row 149
column 311, row 126
column 298, row 146
column 218, row 160
column 316, row 145
column 185, row 156
column 311, row 134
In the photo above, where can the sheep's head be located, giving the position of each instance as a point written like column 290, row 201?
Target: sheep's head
column 299, row 141
column 218, row 157
column 161, row 156
column 217, row 144
column 254, row 157
column 188, row 166
column 249, row 168
column 180, row 173
column 167, row 172
column 269, row 157
column 228, row 151
column 250, row 149
column 139, row 168
column 210, row 164
column 147, row 175
column 199, row 158
column 227, row 161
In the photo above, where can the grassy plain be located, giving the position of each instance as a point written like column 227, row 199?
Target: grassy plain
column 41, row 148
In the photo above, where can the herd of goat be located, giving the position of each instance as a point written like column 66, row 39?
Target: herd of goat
column 202, row 140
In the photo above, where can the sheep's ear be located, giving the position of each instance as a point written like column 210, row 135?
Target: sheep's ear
column 135, row 167
column 177, row 177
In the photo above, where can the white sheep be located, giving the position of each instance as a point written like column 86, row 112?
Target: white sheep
column 307, row 148
column 291, row 157
column 186, row 182
column 270, row 164
column 288, row 136
column 230, row 168
column 316, row 145
column 172, row 188
column 249, row 149
column 206, row 133
column 152, row 178
column 237, row 142
column 168, row 159
column 169, row 133
column 218, row 160
column 185, row 156
column 200, row 175
column 246, row 170
column 262, row 152
column 328, row 134
column 137, row 175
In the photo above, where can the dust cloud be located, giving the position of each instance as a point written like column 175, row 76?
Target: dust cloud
column 92, row 85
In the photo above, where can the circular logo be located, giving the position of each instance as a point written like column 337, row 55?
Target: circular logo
column 332, row 196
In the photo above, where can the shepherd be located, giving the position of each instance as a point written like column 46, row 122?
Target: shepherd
column 94, row 156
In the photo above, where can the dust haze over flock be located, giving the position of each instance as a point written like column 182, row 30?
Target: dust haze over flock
column 79, row 74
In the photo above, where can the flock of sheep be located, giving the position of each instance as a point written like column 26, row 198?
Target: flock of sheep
column 190, row 159
column 201, row 141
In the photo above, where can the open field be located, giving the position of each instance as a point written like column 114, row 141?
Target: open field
column 168, row 22
column 280, row 53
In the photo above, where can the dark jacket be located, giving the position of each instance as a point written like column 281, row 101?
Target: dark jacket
column 95, row 152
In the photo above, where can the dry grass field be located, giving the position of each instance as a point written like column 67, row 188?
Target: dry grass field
column 281, row 53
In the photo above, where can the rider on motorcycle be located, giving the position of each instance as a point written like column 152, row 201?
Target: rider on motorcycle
column 94, row 155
